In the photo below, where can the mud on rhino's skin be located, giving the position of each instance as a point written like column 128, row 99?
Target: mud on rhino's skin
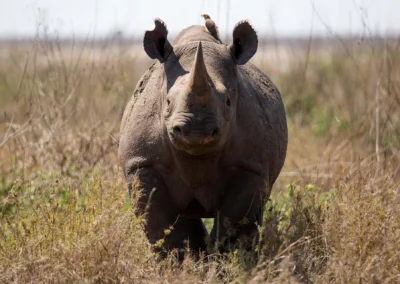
column 205, row 134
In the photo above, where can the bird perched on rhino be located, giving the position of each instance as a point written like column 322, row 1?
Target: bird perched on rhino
column 211, row 27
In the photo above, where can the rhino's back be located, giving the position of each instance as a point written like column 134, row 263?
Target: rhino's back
column 261, row 129
column 194, row 34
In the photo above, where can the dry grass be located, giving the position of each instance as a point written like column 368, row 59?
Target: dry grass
column 333, row 216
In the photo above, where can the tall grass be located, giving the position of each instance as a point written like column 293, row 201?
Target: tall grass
column 333, row 216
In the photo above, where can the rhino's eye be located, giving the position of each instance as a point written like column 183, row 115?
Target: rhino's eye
column 228, row 102
column 168, row 102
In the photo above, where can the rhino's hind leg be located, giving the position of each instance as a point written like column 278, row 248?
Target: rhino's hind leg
column 235, row 223
column 163, row 226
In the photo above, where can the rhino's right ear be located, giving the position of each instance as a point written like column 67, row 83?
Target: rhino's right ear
column 245, row 42
column 155, row 42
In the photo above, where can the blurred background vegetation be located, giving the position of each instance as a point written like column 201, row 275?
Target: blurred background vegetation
column 333, row 216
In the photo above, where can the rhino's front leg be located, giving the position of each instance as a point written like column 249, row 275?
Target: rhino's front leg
column 161, row 214
column 236, row 221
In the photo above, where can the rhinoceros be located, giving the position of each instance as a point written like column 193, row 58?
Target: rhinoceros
column 203, row 136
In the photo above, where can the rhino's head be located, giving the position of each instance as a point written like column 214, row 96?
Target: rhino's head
column 199, row 93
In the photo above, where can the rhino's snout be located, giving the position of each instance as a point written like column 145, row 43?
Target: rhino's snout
column 189, row 134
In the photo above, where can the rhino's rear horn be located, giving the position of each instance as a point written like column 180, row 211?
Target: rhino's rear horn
column 198, row 82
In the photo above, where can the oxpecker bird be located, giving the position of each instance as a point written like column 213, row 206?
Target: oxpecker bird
column 211, row 27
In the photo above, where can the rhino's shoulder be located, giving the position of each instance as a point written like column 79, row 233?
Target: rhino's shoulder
column 140, row 140
column 263, row 85
column 140, row 87
column 265, row 124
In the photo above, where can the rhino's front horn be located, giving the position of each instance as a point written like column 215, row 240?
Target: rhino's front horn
column 198, row 81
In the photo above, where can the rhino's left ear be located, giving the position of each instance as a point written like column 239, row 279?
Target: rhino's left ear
column 155, row 42
column 244, row 44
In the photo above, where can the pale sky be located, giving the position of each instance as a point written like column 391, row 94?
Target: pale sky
column 279, row 17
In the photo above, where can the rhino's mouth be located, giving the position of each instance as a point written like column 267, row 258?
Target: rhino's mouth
column 195, row 142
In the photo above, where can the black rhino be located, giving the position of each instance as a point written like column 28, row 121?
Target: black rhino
column 205, row 133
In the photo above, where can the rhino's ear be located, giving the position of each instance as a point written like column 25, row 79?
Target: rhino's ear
column 244, row 44
column 155, row 42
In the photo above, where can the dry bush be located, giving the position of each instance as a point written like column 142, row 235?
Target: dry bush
column 363, row 231
column 65, row 217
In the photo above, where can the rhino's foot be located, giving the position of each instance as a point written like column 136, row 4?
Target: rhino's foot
column 187, row 238
column 236, row 222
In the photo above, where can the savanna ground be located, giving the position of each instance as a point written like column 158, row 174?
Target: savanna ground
column 333, row 216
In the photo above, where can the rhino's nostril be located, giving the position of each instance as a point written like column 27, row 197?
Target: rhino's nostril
column 215, row 132
column 177, row 130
